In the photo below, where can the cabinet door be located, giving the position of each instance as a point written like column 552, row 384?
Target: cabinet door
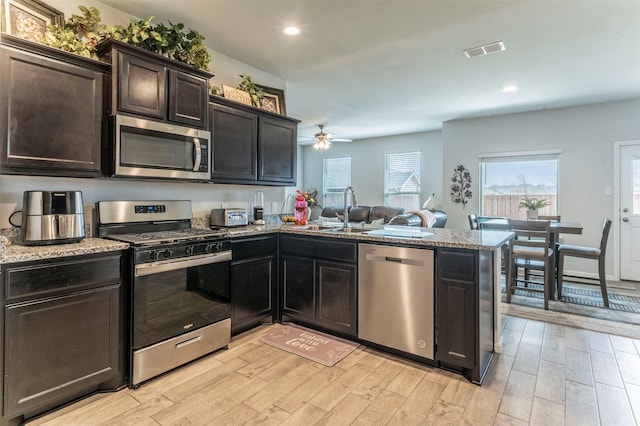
column 456, row 312
column 59, row 347
column 455, row 319
column 277, row 151
column 142, row 86
column 336, row 299
column 298, row 289
column 50, row 116
column 251, row 292
column 188, row 99
column 235, row 141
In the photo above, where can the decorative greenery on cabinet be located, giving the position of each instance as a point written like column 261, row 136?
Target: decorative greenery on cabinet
column 81, row 34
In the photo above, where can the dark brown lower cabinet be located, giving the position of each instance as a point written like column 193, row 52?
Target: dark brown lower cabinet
column 63, row 332
column 464, row 319
column 253, row 277
column 319, row 283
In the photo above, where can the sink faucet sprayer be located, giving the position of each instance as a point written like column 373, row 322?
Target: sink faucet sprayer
column 354, row 203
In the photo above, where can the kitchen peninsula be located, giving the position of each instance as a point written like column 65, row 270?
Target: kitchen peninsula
column 466, row 283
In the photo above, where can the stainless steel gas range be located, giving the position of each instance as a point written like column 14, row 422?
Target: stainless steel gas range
column 178, row 286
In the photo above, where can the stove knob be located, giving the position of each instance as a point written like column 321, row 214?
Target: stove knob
column 219, row 246
column 189, row 250
column 154, row 255
column 209, row 248
column 167, row 254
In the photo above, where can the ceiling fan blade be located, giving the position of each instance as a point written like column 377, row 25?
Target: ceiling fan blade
column 341, row 140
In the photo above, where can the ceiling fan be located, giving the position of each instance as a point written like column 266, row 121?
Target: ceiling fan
column 322, row 140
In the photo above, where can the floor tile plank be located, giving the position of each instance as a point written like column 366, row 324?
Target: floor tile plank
column 550, row 382
column 581, row 407
column 518, row 395
column 613, row 406
column 605, row 368
column 544, row 413
column 578, row 367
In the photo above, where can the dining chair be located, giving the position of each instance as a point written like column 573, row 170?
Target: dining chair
column 473, row 222
column 594, row 253
column 529, row 249
column 555, row 218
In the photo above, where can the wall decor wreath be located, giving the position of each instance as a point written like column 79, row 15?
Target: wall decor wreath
column 461, row 186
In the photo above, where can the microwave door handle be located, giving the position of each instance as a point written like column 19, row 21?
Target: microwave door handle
column 198, row 156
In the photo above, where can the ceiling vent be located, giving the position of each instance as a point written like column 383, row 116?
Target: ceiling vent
column 484, row 50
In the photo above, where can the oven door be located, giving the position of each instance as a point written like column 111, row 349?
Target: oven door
column 176, row 296
column 145, row 148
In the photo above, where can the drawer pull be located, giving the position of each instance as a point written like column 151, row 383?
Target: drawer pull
column 188, row 342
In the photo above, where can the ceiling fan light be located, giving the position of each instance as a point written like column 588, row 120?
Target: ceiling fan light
column 291, row 30
column 322, row 144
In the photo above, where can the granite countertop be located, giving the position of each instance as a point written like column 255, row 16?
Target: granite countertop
column 442, row 237
column 12, row 252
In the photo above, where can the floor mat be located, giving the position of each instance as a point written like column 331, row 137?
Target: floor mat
column 310, row 344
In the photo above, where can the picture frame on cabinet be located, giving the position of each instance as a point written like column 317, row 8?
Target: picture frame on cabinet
column 273, row 100
column 28, row 19
column 236, row 95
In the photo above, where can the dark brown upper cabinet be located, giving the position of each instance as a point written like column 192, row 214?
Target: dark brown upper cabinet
column 251, row 146
column 147, row 84
column 51, row 109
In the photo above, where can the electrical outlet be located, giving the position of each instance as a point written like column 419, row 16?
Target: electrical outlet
column 87, row 229
column 274, row 207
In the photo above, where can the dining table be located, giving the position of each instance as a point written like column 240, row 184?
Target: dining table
column 556, row 228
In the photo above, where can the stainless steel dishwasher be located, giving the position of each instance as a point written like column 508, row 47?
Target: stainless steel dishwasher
column 396, row 298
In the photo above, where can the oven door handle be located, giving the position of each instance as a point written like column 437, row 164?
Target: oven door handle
column 175, row 264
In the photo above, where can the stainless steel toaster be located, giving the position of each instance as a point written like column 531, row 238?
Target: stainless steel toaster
column 52, row 217
column 229, row 217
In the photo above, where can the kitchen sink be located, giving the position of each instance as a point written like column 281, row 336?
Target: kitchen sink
column 346, row 230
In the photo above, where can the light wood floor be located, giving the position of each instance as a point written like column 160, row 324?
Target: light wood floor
column 548, row 374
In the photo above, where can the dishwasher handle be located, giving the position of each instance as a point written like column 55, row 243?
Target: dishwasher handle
column 400, row 260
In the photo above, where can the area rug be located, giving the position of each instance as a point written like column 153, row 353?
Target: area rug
column 586, row 297
column 310, row 344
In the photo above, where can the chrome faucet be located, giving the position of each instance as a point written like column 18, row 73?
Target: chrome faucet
column 354, row 202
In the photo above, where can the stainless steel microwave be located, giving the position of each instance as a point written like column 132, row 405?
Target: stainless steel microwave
column 151, row 149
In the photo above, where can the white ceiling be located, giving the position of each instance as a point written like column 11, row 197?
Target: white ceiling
column 369, row 68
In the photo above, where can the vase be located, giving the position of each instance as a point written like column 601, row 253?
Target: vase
column 314, row 212
column 532, row 214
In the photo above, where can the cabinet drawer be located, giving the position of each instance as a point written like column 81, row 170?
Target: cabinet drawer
column 259, row 246
column 47, row 279
column 457, row 264
column 319, row 248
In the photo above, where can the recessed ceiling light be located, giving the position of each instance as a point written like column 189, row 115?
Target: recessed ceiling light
column 511, row 88
column 485, row 49
column 291, row 30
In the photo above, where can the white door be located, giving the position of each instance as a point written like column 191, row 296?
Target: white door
column 630, row 212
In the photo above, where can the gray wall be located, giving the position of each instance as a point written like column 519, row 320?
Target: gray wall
column 367, row 164
column 586, row 136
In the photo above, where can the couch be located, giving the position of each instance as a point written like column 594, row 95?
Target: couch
column 389, row 215
column 377, row 214
column 416, row 219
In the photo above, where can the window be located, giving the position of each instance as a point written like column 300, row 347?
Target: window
column 402, row 180
column 336, row 176
column 506, row 180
